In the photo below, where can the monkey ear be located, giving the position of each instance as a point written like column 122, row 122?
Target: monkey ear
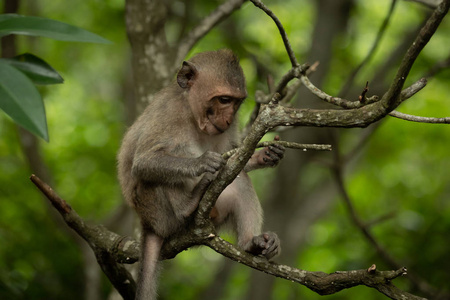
column 186, row 75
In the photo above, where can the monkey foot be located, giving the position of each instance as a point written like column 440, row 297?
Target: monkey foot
column 266, row 244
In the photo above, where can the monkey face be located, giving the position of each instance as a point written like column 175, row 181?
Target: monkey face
column 214, row 114
column 215, row 89
column 220, row 114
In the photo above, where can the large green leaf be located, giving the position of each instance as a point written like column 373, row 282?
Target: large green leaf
column 7, row 16
column 35, row 68
column 36, row 26
column 21, row 101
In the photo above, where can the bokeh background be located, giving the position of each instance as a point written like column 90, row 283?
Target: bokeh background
column 397, row 173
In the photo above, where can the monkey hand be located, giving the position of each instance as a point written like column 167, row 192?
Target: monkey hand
column 266, row 244
column 209, row 162
column 267, row 157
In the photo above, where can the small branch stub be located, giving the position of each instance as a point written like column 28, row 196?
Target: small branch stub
column 362, row 97
column 372, row 269
column 275, row 98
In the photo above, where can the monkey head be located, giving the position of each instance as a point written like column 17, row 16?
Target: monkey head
column 214, row 85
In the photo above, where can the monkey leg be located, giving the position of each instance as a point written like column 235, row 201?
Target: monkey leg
column 239, row 204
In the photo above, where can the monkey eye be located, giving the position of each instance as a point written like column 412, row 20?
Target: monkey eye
column 225, row 100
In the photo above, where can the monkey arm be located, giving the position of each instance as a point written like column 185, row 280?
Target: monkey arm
column 164, row 168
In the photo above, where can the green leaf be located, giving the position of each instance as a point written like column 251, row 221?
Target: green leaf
column 36, row 26
column 35, row 68
column 7, row 16
column 20, row 99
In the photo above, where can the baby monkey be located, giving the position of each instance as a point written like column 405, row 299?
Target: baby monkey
column 176, row 142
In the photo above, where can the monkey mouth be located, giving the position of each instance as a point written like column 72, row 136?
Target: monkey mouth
column 220, row 130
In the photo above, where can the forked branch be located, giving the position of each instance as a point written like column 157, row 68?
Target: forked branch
column 112, row 250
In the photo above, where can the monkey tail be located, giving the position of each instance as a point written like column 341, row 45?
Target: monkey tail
column 149, row 268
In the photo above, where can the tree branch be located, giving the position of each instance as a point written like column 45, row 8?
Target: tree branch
column 418, row 119
column 319, row 282
column 208, row 23
column 304, row 147
column 107, row 246
column 391, row 98
column 273, row 115
column 110, row 249
column 336, row 100
column 280, row 27
column 409, row 92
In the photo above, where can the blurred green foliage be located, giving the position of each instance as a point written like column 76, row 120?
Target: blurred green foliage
column 405, row 168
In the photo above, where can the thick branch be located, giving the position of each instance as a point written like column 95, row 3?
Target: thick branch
column 271, row 116
column 106, row 245
column 319, row 282
column 109, row 247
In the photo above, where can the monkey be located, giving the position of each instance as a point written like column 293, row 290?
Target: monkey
column 175, row 145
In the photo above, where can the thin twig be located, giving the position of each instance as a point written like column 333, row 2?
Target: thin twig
column 280, row 27
column 292, row 145
column 294, row 72
column 293, row 88
column 419, row 119
column 362, row 98
column 336, row 100
column 413, row 89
